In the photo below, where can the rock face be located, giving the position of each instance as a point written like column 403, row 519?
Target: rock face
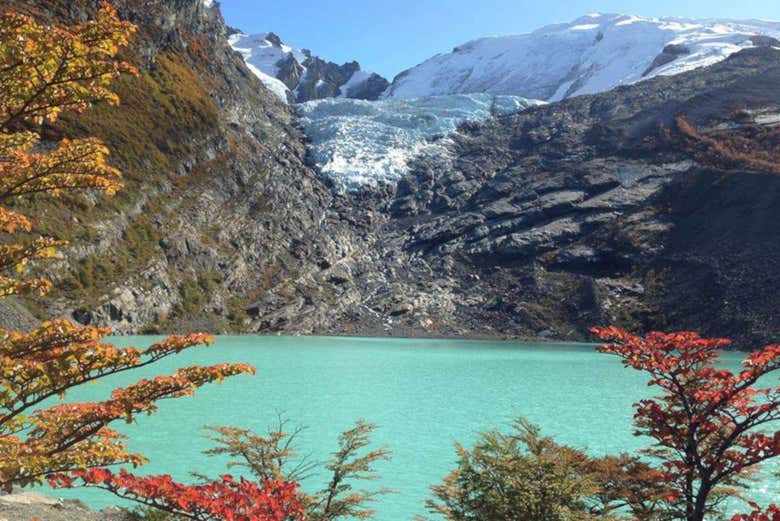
column 218, row 205
column 651, row 206
column 370, row 88
column 600, row 209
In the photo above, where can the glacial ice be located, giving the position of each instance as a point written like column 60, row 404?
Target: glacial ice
column 357, row 143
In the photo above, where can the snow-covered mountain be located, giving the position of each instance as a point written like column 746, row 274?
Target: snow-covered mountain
column 298, row 76
column 592, row 54
column 357, row 142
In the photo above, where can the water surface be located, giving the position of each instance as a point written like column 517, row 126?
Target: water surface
column 425, row 394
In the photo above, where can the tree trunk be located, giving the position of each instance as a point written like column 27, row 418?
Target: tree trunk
column 700, row 506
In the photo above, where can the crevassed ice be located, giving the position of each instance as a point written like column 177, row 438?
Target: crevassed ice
column 357, row 143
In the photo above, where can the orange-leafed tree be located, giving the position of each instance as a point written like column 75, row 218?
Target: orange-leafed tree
column 712, row 427
column 45, row 70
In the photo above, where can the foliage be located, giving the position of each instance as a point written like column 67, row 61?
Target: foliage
column 225, row 499
column 748, row 147
column 165, row 116
column 338, row 500
column 145, row 513
column 195, row 290
column 49, row 69
column 707, row 422
column 772, row 513
column 267, row 457
column 271, row 458
column 524, row 476
column 274, row 455
column 44, row 71
column 58, row 356
column 165, row 112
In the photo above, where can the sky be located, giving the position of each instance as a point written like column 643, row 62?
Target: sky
column 390, row 36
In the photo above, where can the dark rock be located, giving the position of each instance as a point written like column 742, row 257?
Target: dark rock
column 669, row 53
column 370, row 89
column 762, row 40
column 323, row 79
column 82, row 316
column 290, row 72
column 339, row 275
column 401, row 309
column 274, row 39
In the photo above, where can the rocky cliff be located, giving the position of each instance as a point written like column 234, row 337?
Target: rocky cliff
column 651, row 206
column 218, row 204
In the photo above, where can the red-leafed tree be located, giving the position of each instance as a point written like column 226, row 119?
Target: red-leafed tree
column 225, row 499
column 772, row 513
column 712, row 427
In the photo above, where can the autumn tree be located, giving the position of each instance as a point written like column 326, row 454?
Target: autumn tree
column 275, row 455
column 225, row 499
column 45, row 70
column 521, row 475
column 339, row 500
column 272, row 455
column 712, row 427
column 273, row 460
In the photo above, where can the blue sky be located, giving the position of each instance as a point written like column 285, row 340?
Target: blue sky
column 389, row 36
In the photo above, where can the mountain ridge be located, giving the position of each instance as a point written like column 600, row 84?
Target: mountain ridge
column 296, row 75
column 553, row 62
column 593, row 53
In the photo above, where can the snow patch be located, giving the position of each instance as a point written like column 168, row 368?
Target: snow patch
column 357, row 143
column 585, row 27
column 274, row 85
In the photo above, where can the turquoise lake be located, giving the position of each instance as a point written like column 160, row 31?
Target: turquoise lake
column 424, row 395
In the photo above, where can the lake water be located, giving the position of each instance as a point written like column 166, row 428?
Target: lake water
column 424, row 394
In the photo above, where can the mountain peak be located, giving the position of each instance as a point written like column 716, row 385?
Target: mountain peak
column 593, row 53
column 298, row 75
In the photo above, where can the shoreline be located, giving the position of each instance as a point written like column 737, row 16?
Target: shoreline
column 464, row 338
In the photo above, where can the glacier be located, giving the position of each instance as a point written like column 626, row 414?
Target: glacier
column 594, row 53
column 358, row 143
